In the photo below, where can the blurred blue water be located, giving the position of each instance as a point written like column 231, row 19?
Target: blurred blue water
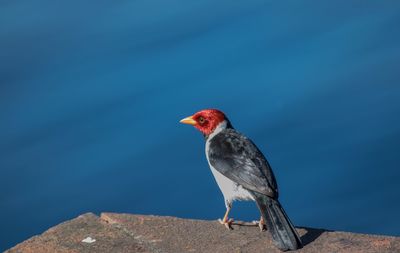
column 92, row 92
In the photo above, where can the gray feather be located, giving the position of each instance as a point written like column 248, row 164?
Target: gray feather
column 238, row 158
column 283, row 233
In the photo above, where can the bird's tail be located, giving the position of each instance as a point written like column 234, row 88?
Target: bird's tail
column 283, row 232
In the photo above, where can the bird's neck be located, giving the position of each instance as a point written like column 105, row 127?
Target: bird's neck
column 220, row 127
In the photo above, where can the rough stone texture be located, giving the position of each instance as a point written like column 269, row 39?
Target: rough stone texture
column 144, row 233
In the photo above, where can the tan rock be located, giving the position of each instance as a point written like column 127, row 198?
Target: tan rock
column 145, row 233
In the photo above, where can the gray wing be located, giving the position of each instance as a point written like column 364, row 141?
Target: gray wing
column 238, row 158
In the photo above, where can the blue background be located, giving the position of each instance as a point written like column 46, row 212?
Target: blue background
column 92, row 92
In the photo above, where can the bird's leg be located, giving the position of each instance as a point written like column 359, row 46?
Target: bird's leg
column 226, row 221
column 261, row 224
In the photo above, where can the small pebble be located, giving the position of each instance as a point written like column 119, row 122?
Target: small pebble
column 89, row 240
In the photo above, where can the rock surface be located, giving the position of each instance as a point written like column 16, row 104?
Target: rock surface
column 143, row 233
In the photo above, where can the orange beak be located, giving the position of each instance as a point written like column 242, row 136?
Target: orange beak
column 189, row 121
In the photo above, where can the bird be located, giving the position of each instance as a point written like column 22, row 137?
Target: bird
column 243, row 173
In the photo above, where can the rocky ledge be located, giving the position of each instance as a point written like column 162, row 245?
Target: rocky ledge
column 113, row 232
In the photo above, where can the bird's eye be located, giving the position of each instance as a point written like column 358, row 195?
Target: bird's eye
column 201, row 120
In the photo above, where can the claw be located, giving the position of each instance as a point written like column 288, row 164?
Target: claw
column 262, row 227
column 260, row 224
column 228, row 223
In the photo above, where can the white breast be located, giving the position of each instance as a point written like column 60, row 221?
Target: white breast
column 230, row 190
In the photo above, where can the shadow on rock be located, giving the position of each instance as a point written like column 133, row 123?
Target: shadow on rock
column 311, row 235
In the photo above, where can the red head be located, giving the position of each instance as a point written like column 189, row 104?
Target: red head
column 206, row 121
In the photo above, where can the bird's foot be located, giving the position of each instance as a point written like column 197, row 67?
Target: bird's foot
column 261, row 225
column 227, row 223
